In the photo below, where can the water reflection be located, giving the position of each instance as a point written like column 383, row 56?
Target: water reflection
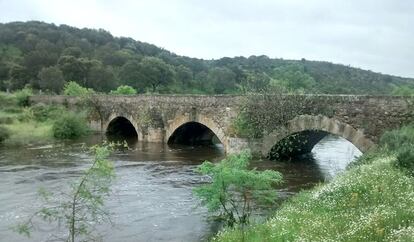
column 152, row 199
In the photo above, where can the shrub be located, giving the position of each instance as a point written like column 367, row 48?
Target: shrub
column 4, row 134
column 6, row 120
column 22, row 97
column 243, row 128
column 42, row 112
column 124, row 90
column 401, row 142
column 69, row 126
column 81, row 207
column 6, row 100
column 394, row 139
column 74, row 89
column 26, row 115
column 235, row 188
column 405, row 159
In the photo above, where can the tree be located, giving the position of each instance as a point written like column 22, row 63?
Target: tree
column 34, row 61
column 256, row 82
column 131, row 75
column 235, row 188
column 293, row 78
column 72, row 51
column 222, row 79
column 404, row 90
column 74, row 89
column 124, row 90
column 19, row 77
column 155, row 72
column 83, row 206
column 73, row 69
column 184, row 74
column 51, row 78
column 99, row 77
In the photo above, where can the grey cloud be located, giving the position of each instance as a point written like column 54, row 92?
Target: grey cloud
column 376, row 35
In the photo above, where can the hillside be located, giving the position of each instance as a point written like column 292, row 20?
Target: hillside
column 45, row 56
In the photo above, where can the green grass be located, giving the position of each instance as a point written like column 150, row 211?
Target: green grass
column 29, row 132
column 369, row 202
column 36, row 124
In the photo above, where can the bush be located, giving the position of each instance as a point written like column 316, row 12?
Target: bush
column 401, row 142
column 124, row 90
column 394, row 139
column 236, row 189
column 4, row 134
column 6, row 100
column 405, row 159
column 74, row 89
column 70, row 126
column 243, row 128
column 22, row 97
column 42, row 112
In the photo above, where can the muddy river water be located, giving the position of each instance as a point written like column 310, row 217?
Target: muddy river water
column 151, row 197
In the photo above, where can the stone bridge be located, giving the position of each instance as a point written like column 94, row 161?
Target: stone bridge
column 195, row 119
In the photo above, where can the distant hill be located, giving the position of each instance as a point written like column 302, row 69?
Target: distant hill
column 45, row 56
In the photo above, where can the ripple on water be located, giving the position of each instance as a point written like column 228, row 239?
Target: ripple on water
column 151, row 197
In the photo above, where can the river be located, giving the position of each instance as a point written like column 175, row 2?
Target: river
column 151, row 198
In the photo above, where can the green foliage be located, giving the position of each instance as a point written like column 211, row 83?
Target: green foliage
column 261, row 113
column 74, row 89
column 95, row 59
column 156, row 73
column 42, row 112
column 4, row 133
column 293, row 77
column 22, row 97
column 82, row 207
column 7, row 100
column 396, row 138
column 370, row 202
column 244, row 128
column 235, row 188
column 405, row 158
column 27, row 125
column 401, row 142
column 51, row 79
column 404, row 90
column 124, row 90
column 69, row 126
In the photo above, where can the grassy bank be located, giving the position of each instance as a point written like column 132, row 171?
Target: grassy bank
column 25, row 125
column 372, row 201
column 29, row 132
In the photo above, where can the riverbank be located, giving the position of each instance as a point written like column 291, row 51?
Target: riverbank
column 371, row 201
column 21, row 124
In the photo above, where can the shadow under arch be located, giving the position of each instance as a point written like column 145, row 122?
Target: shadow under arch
column 183, row 119
column 120, row 128
column 193, row 133
column 302, row 133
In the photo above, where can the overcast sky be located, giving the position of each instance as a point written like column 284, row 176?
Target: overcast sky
column 377, row 35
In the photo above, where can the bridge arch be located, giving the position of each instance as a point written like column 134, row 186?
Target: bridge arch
column 120, row 126
column 312, row 129
column 202, row 121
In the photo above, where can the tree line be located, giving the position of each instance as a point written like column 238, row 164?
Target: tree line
column 46, row 56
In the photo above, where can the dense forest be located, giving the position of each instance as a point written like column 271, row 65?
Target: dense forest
column 45, row 57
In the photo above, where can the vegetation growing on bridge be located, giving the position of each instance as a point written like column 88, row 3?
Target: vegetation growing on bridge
column 371, row 201
column 263, row 113
column 46, row 56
